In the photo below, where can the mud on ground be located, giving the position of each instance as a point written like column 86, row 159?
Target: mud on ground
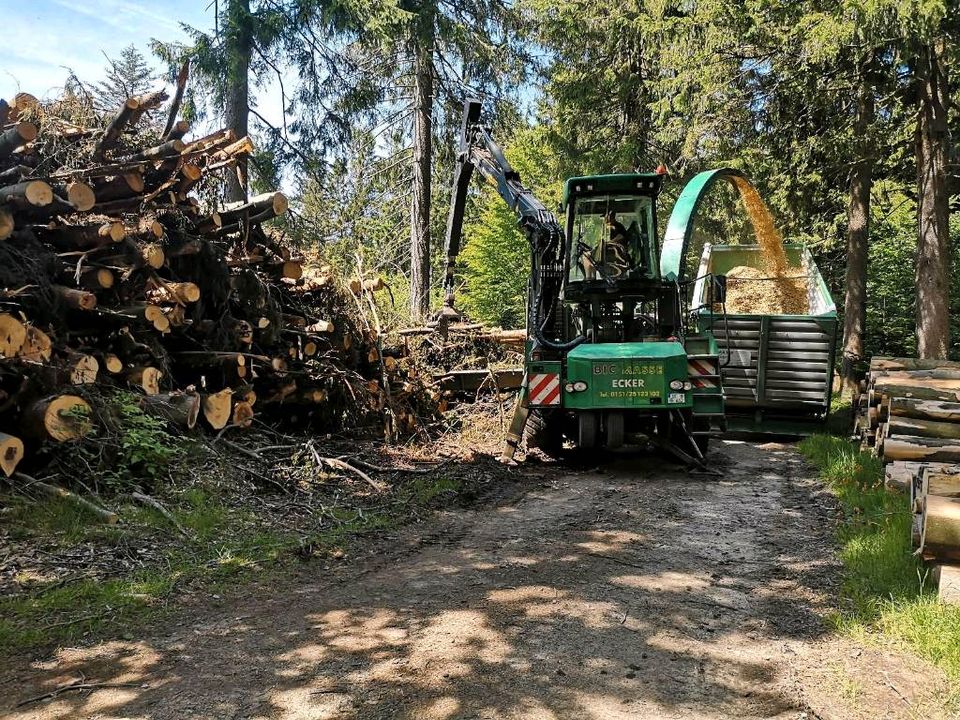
column 635, row 591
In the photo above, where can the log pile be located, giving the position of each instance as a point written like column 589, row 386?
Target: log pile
column 908, row 413
column 119, row 268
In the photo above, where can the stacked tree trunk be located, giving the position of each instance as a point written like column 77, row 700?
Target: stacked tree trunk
column 116, row 269
column 908, row 413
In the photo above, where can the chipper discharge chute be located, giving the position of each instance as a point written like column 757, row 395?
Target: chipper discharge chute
column 777, row 327
column 611, row 350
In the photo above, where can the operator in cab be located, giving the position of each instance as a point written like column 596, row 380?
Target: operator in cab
column 615, row 251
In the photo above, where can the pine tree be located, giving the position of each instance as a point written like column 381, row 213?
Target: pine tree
column 126, row 76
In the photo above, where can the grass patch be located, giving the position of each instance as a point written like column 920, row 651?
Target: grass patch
column 887, row 591
column 231, row 544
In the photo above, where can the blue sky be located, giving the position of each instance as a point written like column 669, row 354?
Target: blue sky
column 44, row 37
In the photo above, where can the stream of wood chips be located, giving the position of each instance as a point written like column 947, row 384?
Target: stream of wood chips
column 774, row 288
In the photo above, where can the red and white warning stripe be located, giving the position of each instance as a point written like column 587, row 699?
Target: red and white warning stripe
column 696, row 369
column 544, row 389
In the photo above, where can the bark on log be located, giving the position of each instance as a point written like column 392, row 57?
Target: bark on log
column 76, row 299
column 921, row 376
column 112, row 134
column 180, row 408
column 14, row 137
column 94, row 278
column 11, row 453
column 119, row 187
column 182, row 78
column 27, row 194
column 924, row 409
column 940, row 538
column 217, row 408
column 13, row 333
column 922, row 428
column 892, row 387
column 879, row 363
column 59, row 418
column 273, row 203
column 168, row 149
column 921, row 448
column 82, row 237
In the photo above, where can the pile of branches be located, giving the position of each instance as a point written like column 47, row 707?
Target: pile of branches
column 119, row 267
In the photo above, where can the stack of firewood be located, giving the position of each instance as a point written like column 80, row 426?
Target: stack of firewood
column 118, row 268
column 908, row 413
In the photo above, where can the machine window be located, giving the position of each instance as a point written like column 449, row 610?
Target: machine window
column 611, row 238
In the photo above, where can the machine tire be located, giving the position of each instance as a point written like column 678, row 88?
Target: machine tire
column 613, row 430
column 543, row 432
column 587, row 430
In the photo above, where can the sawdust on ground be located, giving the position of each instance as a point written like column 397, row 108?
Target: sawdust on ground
column 774, row 288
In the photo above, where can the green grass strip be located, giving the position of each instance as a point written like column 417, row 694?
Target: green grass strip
column 887, row 591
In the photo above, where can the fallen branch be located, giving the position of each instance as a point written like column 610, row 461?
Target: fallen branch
column 342, row 465
column 78, row 685
column 108, row 516
column 144, row 499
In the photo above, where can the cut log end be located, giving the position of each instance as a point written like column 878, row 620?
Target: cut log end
column 217, row 408
column 146, row 378
column 11, row 453
column 37, row 346
column 13, row 333
column 81, row 196
column 60, row 418
column 6, row 224
column 242, row 414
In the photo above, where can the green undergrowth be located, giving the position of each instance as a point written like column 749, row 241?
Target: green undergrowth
column 888, row 593
column 230, row 544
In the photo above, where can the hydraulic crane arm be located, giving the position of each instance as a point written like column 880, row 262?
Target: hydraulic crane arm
column 478, row 151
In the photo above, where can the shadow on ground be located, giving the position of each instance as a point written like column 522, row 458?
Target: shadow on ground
column 632, row 592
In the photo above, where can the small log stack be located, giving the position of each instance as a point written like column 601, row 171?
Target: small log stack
column 117, row 269
column 908, row 413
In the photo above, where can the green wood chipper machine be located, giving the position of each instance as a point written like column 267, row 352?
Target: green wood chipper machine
column 614, row 346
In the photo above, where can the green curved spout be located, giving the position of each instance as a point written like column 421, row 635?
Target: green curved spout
column 681, row 223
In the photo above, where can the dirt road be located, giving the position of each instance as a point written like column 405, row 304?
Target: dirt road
column 637, row 592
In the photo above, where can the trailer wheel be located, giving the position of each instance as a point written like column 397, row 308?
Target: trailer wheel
column 587, row 427
column 613, row 427
column 544, row 432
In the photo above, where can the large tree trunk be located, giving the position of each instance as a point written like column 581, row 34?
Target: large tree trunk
column 858, row 232
column 933, row 248
column 239, row 47
column 422, row 153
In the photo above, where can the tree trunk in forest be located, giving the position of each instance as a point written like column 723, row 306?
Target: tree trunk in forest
column 422, row 153
column 933, row 247
column 236, row 114
column 858, row 232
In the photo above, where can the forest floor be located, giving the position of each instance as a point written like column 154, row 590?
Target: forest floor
column 637, row 590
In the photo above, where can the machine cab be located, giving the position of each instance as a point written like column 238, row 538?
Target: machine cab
column 611, row 229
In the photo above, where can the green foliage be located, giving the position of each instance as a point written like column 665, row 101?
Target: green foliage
column 887, row 590
column 147, row 449
column 126, row 76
